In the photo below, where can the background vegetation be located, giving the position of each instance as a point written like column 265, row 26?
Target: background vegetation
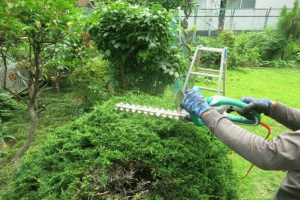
column 84, row 148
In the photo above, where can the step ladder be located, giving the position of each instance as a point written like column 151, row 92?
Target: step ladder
column 209, row 72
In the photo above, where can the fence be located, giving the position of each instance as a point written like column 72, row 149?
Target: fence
column 16, row 79
column 208, row 20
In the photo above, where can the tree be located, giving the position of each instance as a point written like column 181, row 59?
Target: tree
column 43, row 23
column 289, row 25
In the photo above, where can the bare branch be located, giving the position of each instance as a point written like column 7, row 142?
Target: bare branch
column 15, row 94
column 49, row 88
column 42, row 109
column 15, row 41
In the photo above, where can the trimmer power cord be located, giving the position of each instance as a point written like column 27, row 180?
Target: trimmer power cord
column 269, row 129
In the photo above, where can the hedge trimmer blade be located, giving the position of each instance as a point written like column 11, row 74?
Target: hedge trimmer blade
column 152, row 111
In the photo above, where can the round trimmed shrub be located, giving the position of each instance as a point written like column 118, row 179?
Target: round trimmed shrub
column 138, row 43
column 110, row 154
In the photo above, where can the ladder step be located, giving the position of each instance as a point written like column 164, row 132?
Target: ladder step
column 210, row 89
column 208, row 75
column 208, row 70
column 217, row 50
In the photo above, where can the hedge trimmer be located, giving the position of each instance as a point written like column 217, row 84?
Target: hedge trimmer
column 220, row 103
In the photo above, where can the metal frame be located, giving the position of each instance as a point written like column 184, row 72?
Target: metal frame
column 222, row 71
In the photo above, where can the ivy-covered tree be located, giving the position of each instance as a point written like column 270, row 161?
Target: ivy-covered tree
column 137, row 41
column 289, row 25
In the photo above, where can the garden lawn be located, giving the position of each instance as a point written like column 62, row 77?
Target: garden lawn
column 282, row 85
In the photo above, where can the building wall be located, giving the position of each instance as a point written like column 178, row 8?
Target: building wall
column 208, row 22
column 274, row 3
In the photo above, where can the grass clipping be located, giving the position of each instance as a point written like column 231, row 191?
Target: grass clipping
column 110, row 154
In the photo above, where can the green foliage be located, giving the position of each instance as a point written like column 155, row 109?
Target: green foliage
column 4, row 137
column 289, row 23
column 46, row 21
column 9, row 24
column 137, row 41
column 106, row 151
column 167, row 4
column 244, row 49
column 243, row 52
column 293, row 50
column 7, row 104
column 89, row 81
column 270, row 42
column 193, row 29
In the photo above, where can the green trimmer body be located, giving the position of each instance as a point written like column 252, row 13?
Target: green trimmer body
column 222, row 105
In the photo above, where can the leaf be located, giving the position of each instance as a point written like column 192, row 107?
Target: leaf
column 10, row 5
column 107, row 53
column 117, row 45
column 29, row 28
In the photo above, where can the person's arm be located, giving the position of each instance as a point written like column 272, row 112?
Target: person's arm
column 282, row 153
column 289, row 117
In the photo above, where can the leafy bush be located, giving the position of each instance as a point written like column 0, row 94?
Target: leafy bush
column 138, row 43
column 243, row 52
column 88, row 82
column 270, row 42
column 114, row 154
column 293, row 50
column 244, row 49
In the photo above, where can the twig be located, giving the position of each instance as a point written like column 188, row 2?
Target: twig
column 99, row 194
column 16, row 95
column 42, row 109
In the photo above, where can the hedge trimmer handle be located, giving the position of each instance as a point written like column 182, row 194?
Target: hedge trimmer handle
column 222, row 104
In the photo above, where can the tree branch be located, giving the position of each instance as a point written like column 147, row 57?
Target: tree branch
column 49, row 88
column 15, row 94
column 42, row 109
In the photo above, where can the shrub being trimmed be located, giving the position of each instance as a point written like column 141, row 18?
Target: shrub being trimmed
column 114, row 154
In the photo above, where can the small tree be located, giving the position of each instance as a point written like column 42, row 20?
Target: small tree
column 43, row 23
column 289, row 25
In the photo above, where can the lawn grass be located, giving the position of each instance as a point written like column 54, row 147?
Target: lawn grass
column 277, row 84
column 280, row 85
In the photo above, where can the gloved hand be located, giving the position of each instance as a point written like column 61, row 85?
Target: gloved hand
column 258, row 105
column 194, row 102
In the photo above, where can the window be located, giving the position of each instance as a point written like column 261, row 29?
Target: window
column 240, row 4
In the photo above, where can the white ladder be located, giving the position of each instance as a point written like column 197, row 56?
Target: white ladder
column 221, row 72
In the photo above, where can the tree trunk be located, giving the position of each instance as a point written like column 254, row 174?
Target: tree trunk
column 30, row 91
column 32, row 105
column 30, row 138
column 283, row 54
column 57, row 86
column 222, row 15
column 123, row 75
